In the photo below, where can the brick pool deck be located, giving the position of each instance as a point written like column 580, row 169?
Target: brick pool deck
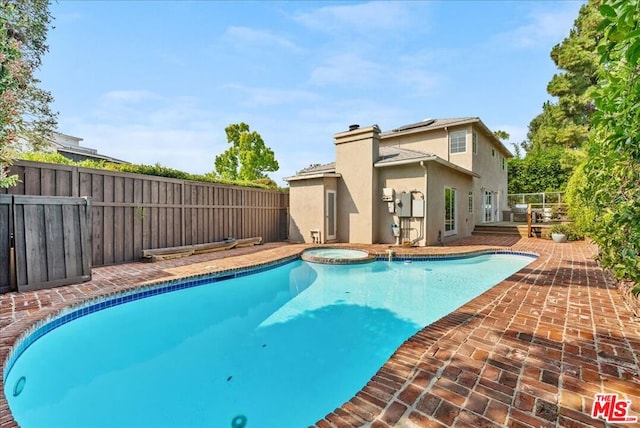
column 530, row 352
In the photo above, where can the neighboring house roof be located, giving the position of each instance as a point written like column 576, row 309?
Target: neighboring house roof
column 431, row 124
column 85, row 152
column 392, row 156
column 64, row 143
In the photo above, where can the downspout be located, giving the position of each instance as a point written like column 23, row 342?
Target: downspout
column 425, row 223
column 446, row 133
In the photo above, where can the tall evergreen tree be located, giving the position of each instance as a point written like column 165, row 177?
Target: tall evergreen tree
column 565, row 123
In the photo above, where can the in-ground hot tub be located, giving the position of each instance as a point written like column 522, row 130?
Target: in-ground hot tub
column 337, row 256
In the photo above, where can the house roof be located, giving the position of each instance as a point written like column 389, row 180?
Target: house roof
column 396, row 155
column 431, row 124
column 316, row 171
column 392, row 156
column 388, row 156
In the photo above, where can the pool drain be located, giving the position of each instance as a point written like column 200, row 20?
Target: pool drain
column 239, row 421
column 19, row 386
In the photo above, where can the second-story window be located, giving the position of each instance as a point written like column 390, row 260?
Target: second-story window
column 458, row 142
column 474, row 142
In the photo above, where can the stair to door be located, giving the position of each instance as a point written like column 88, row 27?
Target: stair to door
column 501, row 229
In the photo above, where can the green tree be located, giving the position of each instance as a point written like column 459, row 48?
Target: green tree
column 604, row 191
column 25, row 112
column 565, row 123
column 501, row 135
column 248, row 158
column 544, row 172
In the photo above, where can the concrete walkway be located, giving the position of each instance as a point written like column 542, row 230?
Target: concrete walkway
column 531, row 352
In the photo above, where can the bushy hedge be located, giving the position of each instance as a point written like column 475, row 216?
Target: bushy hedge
column 155, row 170
column 605, row 191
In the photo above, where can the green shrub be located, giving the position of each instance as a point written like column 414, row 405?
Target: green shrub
column 156, row 170
column 568, row 230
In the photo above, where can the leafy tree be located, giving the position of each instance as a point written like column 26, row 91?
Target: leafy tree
column 604, row 191
column 248, row 158
column 24, row 107
column 501, row 135
column 565, row 123
column 545, row 172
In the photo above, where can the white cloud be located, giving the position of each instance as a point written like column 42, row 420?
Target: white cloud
column 261, row 38
column 257, row 97
column 129, row 96
column 346, row 68
column 543, row 26
column 183, row 149
column 365, row 17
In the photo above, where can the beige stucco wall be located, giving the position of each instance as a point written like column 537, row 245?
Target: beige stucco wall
column 356, row 152
column 402, row 178
column 489, row 167
column 307, row 202
column 488, row 164
column 439, row 177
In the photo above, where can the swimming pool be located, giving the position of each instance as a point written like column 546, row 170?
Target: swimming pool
column 282, row 347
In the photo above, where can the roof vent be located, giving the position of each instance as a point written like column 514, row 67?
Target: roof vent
column 354, row 127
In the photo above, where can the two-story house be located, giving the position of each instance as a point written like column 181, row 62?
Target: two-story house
column 421, row 184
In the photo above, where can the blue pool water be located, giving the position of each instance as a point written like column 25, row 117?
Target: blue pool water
column 282, row 347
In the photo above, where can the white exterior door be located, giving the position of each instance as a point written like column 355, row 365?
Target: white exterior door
column 331, row 214
column 488, row 207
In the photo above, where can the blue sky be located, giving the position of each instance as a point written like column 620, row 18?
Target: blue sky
column 158, row 81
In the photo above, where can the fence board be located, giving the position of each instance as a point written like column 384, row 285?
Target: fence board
column 6, row 225
column 132, row 212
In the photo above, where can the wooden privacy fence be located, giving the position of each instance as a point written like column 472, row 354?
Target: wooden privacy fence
column 132, row 212
column 45, row 241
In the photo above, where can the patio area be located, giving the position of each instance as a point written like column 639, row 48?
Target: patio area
column 531, row 352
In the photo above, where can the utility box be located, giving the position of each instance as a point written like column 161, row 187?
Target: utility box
column 387, row 194
column 417, row 208
column 403, row 204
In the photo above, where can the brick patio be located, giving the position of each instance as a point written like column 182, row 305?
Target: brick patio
column 530, row 352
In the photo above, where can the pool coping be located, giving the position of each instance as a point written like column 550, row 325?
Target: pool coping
column 407, row 390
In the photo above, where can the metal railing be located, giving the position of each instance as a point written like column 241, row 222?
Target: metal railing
column 543, row 198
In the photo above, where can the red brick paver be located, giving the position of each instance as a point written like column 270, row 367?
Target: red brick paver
column 532, row 351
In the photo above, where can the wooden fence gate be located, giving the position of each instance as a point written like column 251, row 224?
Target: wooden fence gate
column 46, row 241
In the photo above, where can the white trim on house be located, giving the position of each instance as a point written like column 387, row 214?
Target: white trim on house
column 309, row 176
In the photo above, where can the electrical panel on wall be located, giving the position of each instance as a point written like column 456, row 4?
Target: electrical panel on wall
column 417, row 208
column 387, row 194
column 403, row 204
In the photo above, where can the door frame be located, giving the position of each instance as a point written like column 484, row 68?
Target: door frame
column 331, row 214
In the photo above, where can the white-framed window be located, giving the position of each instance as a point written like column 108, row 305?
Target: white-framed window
column 493, row 152
column 450, row 224
column 474, row 142
column 458, row 142
column 503, row 163
column 470, row 203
